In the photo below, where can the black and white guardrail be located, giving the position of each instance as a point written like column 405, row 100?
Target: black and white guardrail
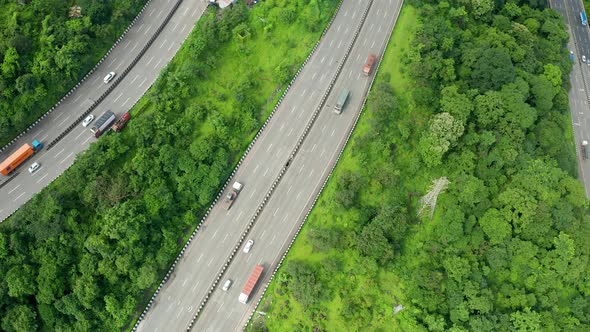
column 119, row 78
column 82, row 80
column 260, row 296
column 227, row 182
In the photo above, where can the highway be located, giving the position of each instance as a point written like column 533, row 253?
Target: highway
column 177, row 302
column 579, row 98
column 55, row 161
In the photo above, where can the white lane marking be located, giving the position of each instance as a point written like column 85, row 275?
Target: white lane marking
column 252, row 194
column 140, row 27
column 358, row 57
column 71, row 153
column 339, row 26
column 290, row 131
column 331, row 42
column 303, row 93
column 89, row 137
column 15, row 188
column 301, row 169
column 152, row 12
column 128, row 42
column 333, row 131
column 19, row 196
column 379, row 30
column 157, row 64
column 120, row 95
column 282, row 126
column 239, row 215
column 314, row 75
column 61, row 123
column 340, row 44
column 346, row 31
column 266, row 172
column 256, row 168
column 373, row 44
column 277, row 210
column 354, row 14
column 312, row 94
column 288, row 190
column 80, row 134
column 43, row 177
column 278, row 152
column 170, row 47
column 195, row 286
column 152, row 58
column 38, row 133
column 323, row 129
column 136, row 76
column 293, row 109
column 211, row 261
column 121, row 63
column 57, row 154
column 270, row 146
column 331, row 60
column 221, row 306
column 214, row 234
column 313, row 147
column 261, row 236
column 273, row 239
column 163, row 43
column 224, row 238
column 345, row 13
column 198, row 260
column 323, row 151
column 148, row 29
column 140, row 84
column 126, row 100
column 359, row 76
column 176, row 26
column 159, row 13
column 350, row 74
column 323, row 75
column 186, row 10
column 322, row 61
column 75, row 100
column 299, row 194
column 185, row 281
column 310, row 173
column 183, row 27
column 285, row 217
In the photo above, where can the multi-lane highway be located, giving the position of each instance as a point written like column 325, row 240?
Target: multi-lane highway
column 53, row 162
column 177, row 302
column 579, row 97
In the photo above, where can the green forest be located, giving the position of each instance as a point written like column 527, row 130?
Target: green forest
column 44, row 52
column 474, row 91
column 87, row 253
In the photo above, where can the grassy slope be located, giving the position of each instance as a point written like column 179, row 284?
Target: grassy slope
column 284, row 312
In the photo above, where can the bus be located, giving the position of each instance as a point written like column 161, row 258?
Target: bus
column 583, row 18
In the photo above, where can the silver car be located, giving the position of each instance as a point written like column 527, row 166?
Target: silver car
column 109, row 77
column 35, row 166
column 226, row 285
column 88, row 120
column 248, row 246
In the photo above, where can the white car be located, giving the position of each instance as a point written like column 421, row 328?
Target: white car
column 248, row 246
column 583, row 58
column 35, row 166
column 226, row 285
column 88, row 120
column 109, row 77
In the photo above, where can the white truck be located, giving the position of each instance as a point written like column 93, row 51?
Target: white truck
column 584, row 150
column 230, row 197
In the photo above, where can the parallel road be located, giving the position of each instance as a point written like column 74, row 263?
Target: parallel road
column 177, row 302
column 53, row 162
column 579, row 96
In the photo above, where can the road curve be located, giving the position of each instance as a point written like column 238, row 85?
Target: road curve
column 55, row 161
column 579, row 98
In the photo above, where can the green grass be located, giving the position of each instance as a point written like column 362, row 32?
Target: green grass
column 284, row 313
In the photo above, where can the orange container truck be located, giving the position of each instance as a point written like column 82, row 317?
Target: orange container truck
column 18, row 157
column 369, row 64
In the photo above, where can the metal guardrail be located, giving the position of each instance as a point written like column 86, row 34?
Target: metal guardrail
column 82, row 80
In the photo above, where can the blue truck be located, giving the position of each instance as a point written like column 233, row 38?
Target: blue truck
column 583, row 18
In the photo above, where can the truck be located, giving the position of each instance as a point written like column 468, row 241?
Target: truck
column 19, row 156
column 369, row 64
column 583, row 18
column 101, row 125
column 251, row 284
column 120, row 124
column 341, row 101
column 230, row 198
column 584, row 150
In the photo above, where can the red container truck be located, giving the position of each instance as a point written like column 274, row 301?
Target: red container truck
column 369, row 64
column 120, row 124
column 250, row 284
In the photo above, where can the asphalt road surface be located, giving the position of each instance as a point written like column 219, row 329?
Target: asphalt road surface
column 580, row 77
column 179, row 299
column 55, row 161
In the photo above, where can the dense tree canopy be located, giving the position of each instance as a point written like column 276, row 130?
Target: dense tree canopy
column 44, row 52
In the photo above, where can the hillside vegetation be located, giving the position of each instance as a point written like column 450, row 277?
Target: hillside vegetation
column 44, row 52
column 87, row 253
column 474, row 91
